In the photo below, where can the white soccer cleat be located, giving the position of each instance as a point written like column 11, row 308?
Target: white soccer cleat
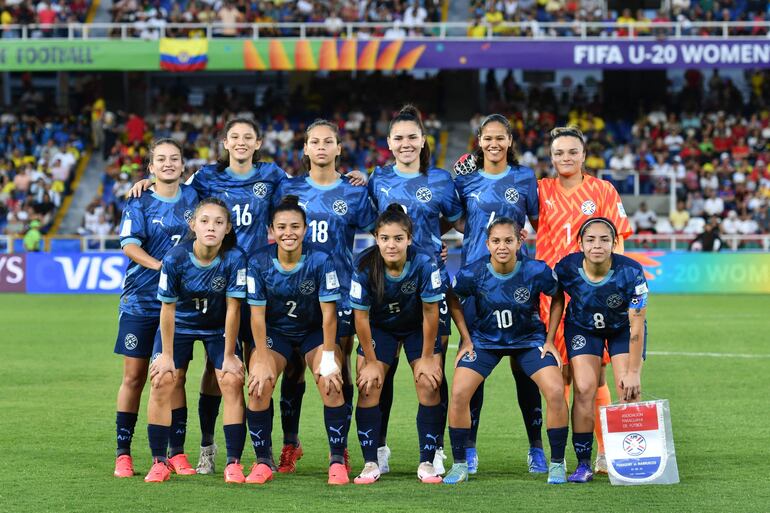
column 370, row 474
column 206, row 460
column 427, row 473
column 600, row 466
column 438, row 461
column 383, row 458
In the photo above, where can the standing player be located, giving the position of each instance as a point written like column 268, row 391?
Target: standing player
column 608, row 306
column 427, row 194
column 506, row 292
column 151, row 226
column 395, row 293
column 502, row 187
column 201, row 284
column 335, row 210
column 566, row 201
column 293, row 289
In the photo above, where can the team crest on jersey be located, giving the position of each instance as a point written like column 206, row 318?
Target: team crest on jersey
column 155, row 357
column 307, row 287
column 588, row 207
column 614, row 300
column 423, row 194
column 340, row 207
column 469, row 357
column 578, row 342
column 188, row 216
column 521, row 295
column 131, row 341
column 408, row 287
column 269, row 342
column 260, row 189
column 218, row 283
column 511, row 195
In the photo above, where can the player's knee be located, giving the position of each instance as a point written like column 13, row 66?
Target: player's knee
column 230, row 383
column 134, row 381
column 164, row 385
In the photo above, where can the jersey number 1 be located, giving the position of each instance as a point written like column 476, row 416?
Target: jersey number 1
column 242, row 217
column 320, row 231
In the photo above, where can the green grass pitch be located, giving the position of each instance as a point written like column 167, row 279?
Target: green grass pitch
column 59, row 382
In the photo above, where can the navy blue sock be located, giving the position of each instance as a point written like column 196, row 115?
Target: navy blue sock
column 386, row 402
column 235, row 438
column 291, row 408
column 178, row 432
column 477, row 401
column 125, row 422
column 531, row 407
column 157, row 435
column 557, row 437
column 429, row 429
column 261, row 431
column 336, row 421
column 458, row 437
column 208, row 409
column 368, row 422
column 444, row 391
column 347, row 394
column 583, row 442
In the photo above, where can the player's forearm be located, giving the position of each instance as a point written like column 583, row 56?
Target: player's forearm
column 555, row 314
column 141, row 257
column 259, row 332
column 364, row 333
column 329, row 325
column 456, row 311
column 232, row 324
column 636, row 339
column 429, row 328
column 167, row 319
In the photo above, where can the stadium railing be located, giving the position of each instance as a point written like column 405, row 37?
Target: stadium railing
column 581, row 30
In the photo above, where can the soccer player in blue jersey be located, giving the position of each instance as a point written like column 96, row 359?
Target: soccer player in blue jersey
column 150, row 227
column 335, row 210
column 608, row 306
column 505, row 292
column 201, row 284
column 293, row 289
column 395, row 293
column 427, row 195
column 502, row 187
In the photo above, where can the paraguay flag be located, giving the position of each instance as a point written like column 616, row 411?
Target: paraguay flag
column 183, row 54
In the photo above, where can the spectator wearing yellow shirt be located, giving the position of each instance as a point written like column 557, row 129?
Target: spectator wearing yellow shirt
column 495, row 18
column 595, row 162
column 642, row 24
column 625, row 20
column 679, row 217
column 477, row 29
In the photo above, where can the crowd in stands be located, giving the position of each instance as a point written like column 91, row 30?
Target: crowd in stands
column 45, row 12
column 713, row 141
column 38, row 158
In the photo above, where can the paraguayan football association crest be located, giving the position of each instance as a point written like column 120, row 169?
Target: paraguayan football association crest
column 218, row 283
column 578, row 342
column 307, row 287
column 521, row 295
column 260, row 190
column 615, row 300
column 512, row 195
column 409, row 287
column 340, row 207
column 268, row 342
column 588, row 207
column 131, row 341
column 469, row 357
column 188, row 216
column 423, row 194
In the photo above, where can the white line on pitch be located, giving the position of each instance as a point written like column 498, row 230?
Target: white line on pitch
column 713, row 355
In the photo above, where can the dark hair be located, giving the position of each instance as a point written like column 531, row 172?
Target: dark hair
column 593, row 220
column 224, row 162
column 160, row 142
column 335, row 130
column 289, row 203
column 230, row 239
column 568, row 131
column 505, row 221
column 372, row 259
column 510, row 155
column 410, row 113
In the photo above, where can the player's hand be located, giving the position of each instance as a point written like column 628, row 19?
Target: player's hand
column 138, row 188
column 631, row 386
column 233, row 365
column 330, row 371
column 429, row 368
column 523, row 234
column 371, row 376
column 466, row 164
column 261, row 374
column 466, row 346
column 356, row 177
column 162, row 365
column 548, row 347
column 444, row 251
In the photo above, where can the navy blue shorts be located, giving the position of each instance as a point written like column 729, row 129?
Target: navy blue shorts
column 584, row 341
column 345, row 325
column 285, row 346
column 183, row 348
column 136, row 335
column 386, row 346
column 484, row 361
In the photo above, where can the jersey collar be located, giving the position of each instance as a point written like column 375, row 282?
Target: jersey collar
column 407, row 176
column 506, row 276
column 168, row 200
column 400, row 277
column 199, row 265
column 280, row 269
column 329, row 187
column 496, row 177
column 236, row 176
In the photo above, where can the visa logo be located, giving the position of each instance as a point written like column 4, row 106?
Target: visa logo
column 98, row 273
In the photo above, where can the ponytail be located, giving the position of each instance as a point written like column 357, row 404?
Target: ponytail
column 410, row 113
column 510, row 154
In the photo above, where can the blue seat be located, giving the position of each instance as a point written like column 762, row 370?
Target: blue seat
column 64, row 246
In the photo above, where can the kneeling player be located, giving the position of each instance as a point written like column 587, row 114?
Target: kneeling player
column 505, row 292
column 608, row 305
column 292, row 290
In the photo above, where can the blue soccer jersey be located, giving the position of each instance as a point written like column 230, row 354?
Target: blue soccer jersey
column 249, row 198
column 602, row 305
column 156, row 224
column 512, row 193
column 201, row 291
column 507, row 306
column 400, row 310
column 292, row 297
column 334, row 213
column 426, row 197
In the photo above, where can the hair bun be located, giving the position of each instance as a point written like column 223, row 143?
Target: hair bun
column 395, row 207
column 290, row 199
column 409, row 110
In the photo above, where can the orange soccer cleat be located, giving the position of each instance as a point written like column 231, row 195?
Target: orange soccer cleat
column 124, row 466
column 338, row 474
column 158, row 473
column 260, row 473
column 179, row 464
column 290, row 455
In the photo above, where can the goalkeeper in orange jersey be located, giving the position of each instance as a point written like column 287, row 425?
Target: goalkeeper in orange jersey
column 566, row 201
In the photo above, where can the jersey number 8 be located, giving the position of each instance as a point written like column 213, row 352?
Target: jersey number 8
column 599, row 321
column 320, row 231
